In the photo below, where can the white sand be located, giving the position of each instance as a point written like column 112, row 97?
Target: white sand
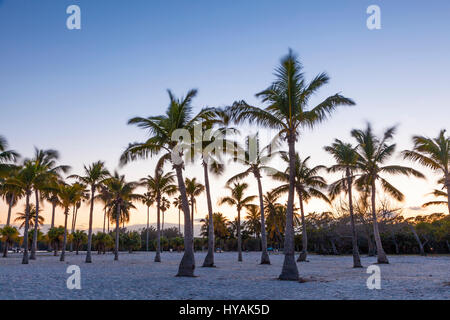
column 136, row 276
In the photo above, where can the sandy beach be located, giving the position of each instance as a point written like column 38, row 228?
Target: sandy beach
column 136, row 276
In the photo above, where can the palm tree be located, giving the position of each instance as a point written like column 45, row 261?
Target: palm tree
column 276, row 220
column 288, row 112
column 255, row 159
column 165, row 205
column 48, row 172
column 21, row 217
column 433, row 154
column 6, row 156
column 148, row 200
column 193, row 190
column 159, row 185
column 55, row 236
column 177, row 204
column 121, row 194
column 308, row 185
column 346, row 158
column 94, row 175
column 372, row 153
column 105, row 197
column 10, row 192
column 82, row 197
column 9, row 236
column 166, row 132
column 79, row 237
column 253, row 220
column 240, row 201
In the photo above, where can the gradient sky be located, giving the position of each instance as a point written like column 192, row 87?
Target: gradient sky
column 74, row 90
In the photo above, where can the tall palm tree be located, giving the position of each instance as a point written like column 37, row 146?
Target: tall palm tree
column 148, row 200
column 253, row 220
column 122, row 192
column 7, row 157
column 45, row 162
column 288, row 112
column 165, row 205
column 346, row 158
column 9, row 236
column 177, row 204
column 433, row 153
column 166, row 132
column 84, row 196
column 158, row 185
column 10, row 192
column 68, row 195
column 94, row 175
column 240, row 201
column 193, row 190
column 105, row 197
column 373, row 152
column 255, row 159
column 308, row 185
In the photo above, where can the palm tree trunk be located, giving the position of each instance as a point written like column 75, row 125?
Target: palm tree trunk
column 290, row 271
column 104, row 221
column 108, row 221
column 158, row 230
column 10, row 205
column 381, row 255
column 63, row 249
column 239, row 244
column 356, row 258
column 116, row 250
column 304, row 252
column 74, row 217
column 264, row 255
column 25, row 232
column 179, row 220
column 422, row 251
column 192, row 218
column 52, row 224
column 5, row 249
column 209, row 259
column 448, row 191
column 146, row 235
column 162, row 225
column 36, row 225
column 91, row 217
column 187, row 264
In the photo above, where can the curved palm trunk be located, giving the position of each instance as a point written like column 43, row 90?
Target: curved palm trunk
column 116, row 249
column 381, row 255
column 356, row 258
column 290, row 270
column 304, row 252
column 158, row 230
column 63, row 249
column 146, row 235
column 10, row 205
column 264, row 255
column 52, row 224
column 239, row 244
column 74, row 222
column 187, row 264
column 36, row 225
column 209, row 259
column 91, row 217
column 416, row 236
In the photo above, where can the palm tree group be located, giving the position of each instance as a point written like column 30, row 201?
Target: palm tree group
column 180, row 136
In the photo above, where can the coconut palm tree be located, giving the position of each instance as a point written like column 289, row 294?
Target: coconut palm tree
column 193, row 190
column 105, row 197
column 79, row 238
column 255, row 159
column 166, row 136
column 433, row 153
column 55, row 236
column 122, row 194
column 373, row 152
column 275, row 219
column 69, row 195
column 159, row 184
column 45, row 163
column 9, row 236
column 253, row 220
column 21, row 217
column 148, row 200
column 7, row 157
column 165, row 205
column 308, row 185
column 84, row 196
column 10, row 192
column 94, row 175
column 240, row 201
column 288, row 112
column 346, row 158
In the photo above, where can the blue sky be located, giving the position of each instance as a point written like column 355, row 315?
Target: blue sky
column 73, row 90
